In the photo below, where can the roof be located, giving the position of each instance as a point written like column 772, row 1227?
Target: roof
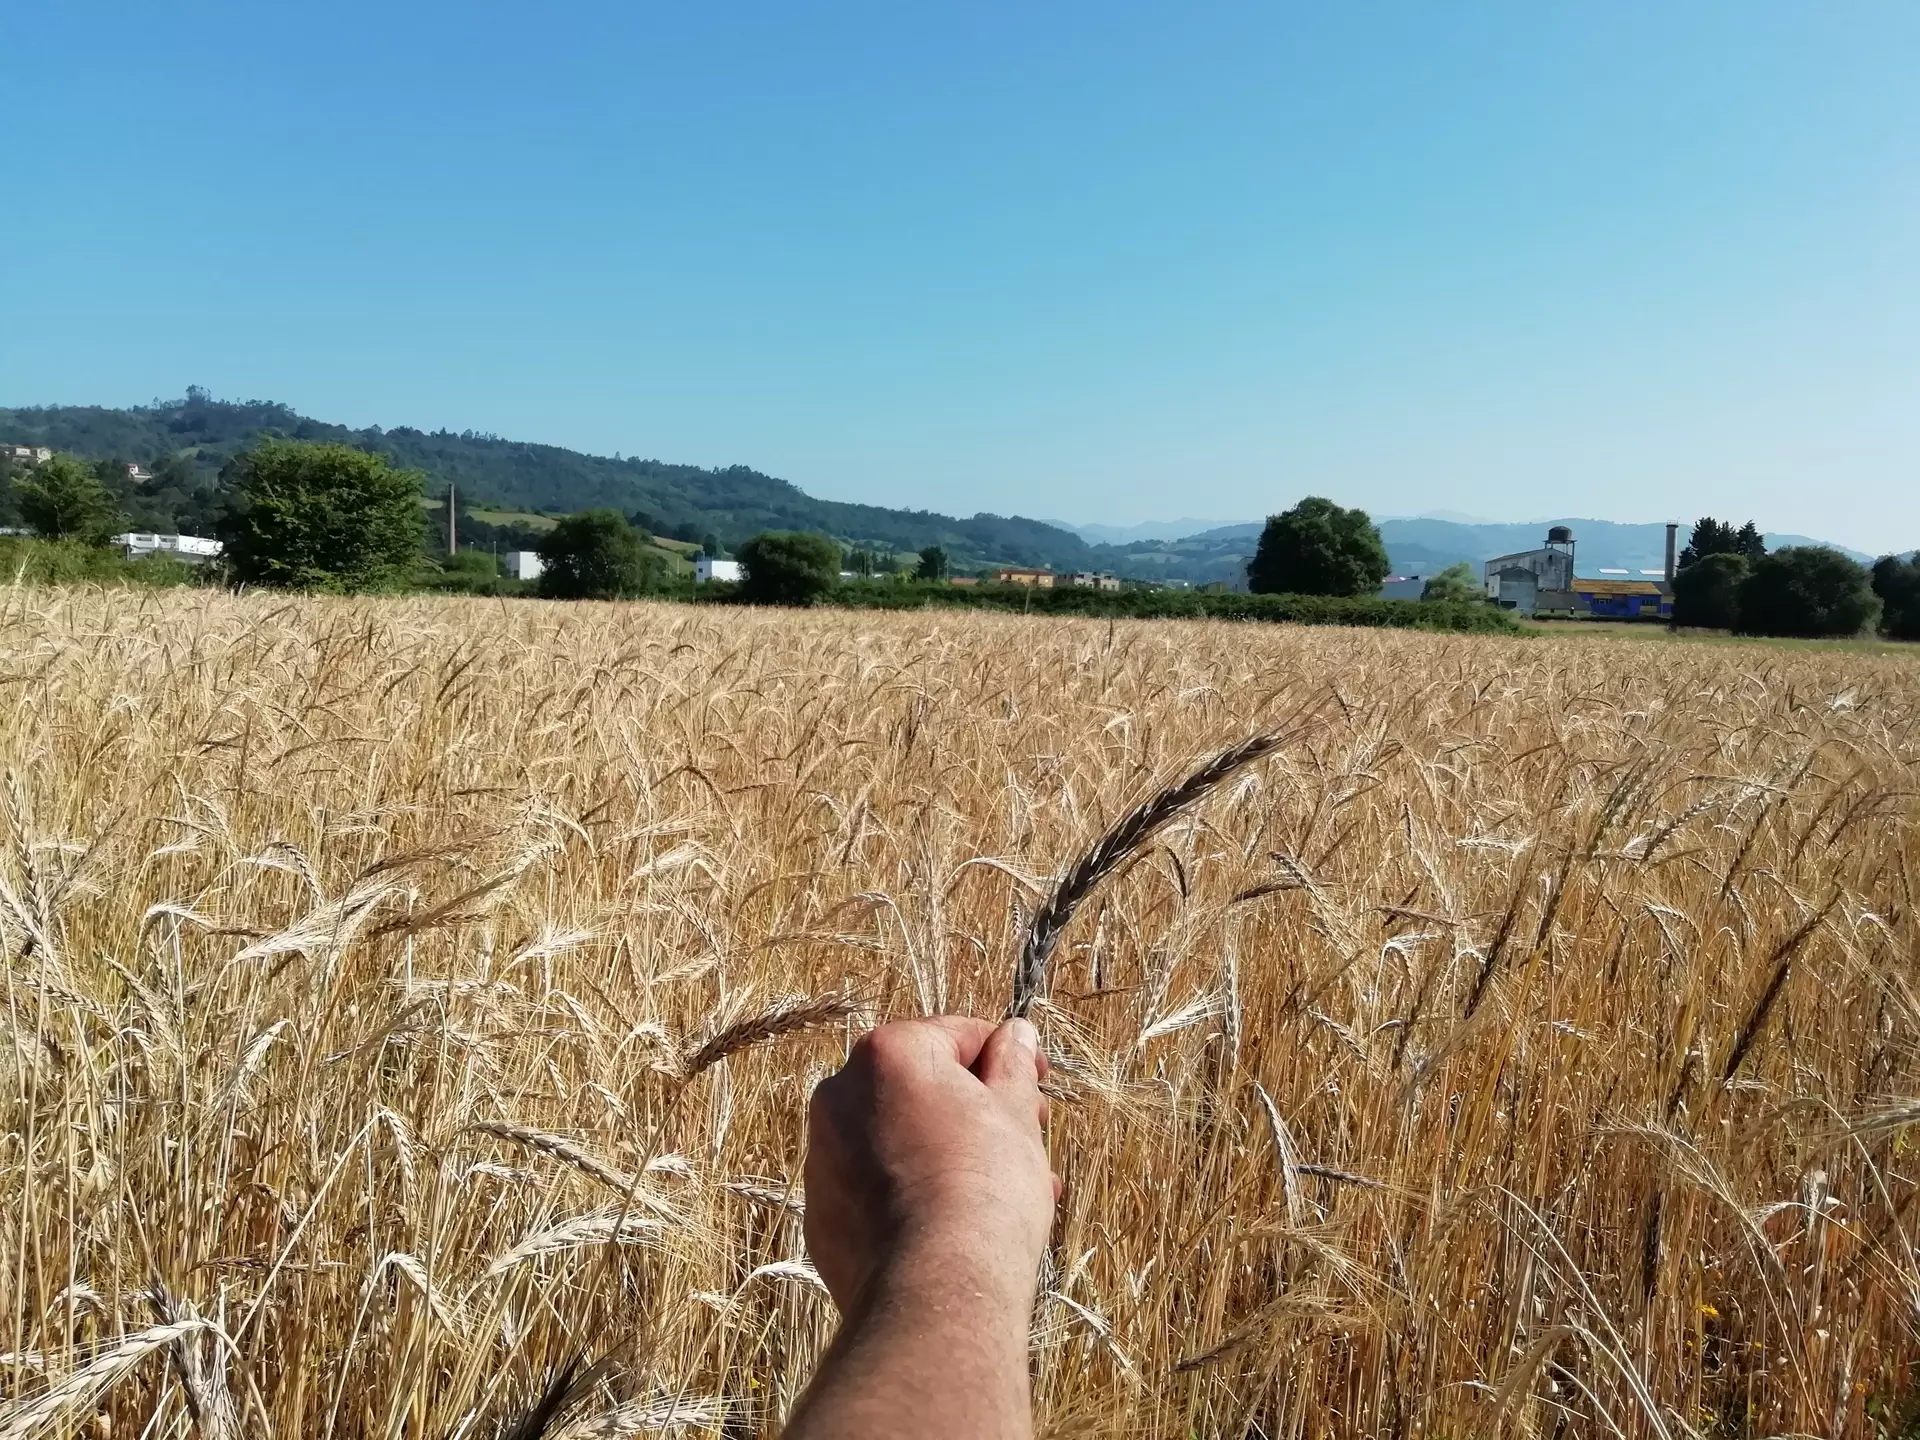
column 1518, row 555
column 1618, row 587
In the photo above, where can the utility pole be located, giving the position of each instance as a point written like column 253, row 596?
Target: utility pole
column 453, row 524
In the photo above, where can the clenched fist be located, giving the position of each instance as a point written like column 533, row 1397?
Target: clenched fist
column 927, row 1148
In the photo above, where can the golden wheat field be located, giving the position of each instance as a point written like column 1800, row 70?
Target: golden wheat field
column 406, row 998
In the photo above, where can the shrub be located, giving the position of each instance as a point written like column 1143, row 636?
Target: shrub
column 1456, row 582
column 596, row 555
column 1809, row 591
column 68, row 562
column 1317, row 548
column 62, row 499
column 1897, row 583
column 1706, row 593
column 307, row 516
column 1472, row 616
column 787, row 568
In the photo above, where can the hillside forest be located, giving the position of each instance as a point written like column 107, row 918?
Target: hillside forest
column 509, row 492
column 185, row 446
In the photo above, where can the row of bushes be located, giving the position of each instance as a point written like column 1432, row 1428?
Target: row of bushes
column 69, row 562
column 1806, row 591
column 1468, row 617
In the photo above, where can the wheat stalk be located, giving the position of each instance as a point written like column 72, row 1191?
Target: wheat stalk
column 1112, row 850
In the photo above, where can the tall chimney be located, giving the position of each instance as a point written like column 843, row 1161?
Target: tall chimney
column 453, row 531
column 1672, row 530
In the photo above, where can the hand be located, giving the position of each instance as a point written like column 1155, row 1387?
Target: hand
column 927, row 1148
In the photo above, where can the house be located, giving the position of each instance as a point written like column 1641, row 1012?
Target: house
column 136, row 473
column 706, row 569
column 194, row 549
column 29, row 454
column 522, row 565
column 1016, row 575
column 1090, row 580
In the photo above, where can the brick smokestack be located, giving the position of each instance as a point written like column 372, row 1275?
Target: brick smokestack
column 1672, row 531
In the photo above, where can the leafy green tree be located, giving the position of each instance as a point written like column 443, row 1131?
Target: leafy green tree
column 1897, row 583
column 1456, row 582
column 596, row 555
column 307, row 516
column 1807, row 590
column 787, row 568
column 1719, row 537
column 1706, row 593
column 933, row 563
column 710, row 546
column 62, row 499
column 1318, row 548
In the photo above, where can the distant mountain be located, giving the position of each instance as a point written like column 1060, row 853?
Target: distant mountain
column 1128, row 534
column 187, row 442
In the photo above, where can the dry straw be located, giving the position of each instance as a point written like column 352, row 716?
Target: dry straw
column 1527, row 1046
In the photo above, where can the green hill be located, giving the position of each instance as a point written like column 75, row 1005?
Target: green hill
column 185, row 444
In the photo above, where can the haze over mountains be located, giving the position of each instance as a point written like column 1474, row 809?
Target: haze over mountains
column 185, row 443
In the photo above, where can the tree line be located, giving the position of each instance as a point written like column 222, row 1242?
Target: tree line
column 326, row 516
column 1728, row 580
column 1725, row 578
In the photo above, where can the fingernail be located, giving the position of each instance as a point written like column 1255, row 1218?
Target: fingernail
column 1024, row 1035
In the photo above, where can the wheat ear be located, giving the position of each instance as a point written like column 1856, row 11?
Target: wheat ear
column 785, row 1017
column 1111, row 851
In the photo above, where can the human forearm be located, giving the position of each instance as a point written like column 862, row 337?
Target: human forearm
column 941, row 1332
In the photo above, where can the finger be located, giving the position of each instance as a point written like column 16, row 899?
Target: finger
column 963, row 1035
column 1010, row 1060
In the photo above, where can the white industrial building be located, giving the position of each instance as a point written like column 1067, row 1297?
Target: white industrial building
column 194, row 549
column 521, row 565
column 1517, row 581
column 706, row 569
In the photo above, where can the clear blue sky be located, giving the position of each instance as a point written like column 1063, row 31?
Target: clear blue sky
column 1105, row 261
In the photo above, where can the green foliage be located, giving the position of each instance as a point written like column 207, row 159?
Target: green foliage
column 1456, row 582
column 69, row 562
column 1706, row 592
column 309, row 516
column 1471, row 617
column 933, row 564
column 1808, row 591
column 1897, row 583
column 1719, row 537
column 783, row 567
column 597, row 555
column 62, row 499
column 479, row 563
column 1318, row 548
column 686, row 502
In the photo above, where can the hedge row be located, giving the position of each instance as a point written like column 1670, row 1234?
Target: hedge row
column 67, row 562
column 1467, row 617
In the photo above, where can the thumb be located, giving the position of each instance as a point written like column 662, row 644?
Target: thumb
column 1010, row 1060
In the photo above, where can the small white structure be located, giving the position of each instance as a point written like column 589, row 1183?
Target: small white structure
column 30, row 454
column 706, row 569
column 521, row 565
column 194, row 549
